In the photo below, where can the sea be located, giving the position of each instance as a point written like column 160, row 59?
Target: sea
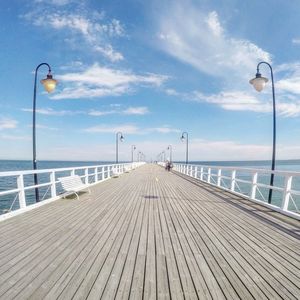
column 10, row 202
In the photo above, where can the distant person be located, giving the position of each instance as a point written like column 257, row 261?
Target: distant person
column 169, row 166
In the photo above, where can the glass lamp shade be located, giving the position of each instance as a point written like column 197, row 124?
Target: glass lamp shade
column 259, row 82
column 49, row 83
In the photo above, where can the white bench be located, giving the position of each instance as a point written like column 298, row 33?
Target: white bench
column 72, row 185
column 115, row 172
column 127, row 169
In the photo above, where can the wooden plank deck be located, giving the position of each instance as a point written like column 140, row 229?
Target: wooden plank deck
column 150, row 234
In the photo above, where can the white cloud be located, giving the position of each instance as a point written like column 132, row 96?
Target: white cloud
column 98, row 81
column 163, row 129
column 52, row 112
column 6, row 123
column 286, row 106
column 241, row 101
column 228, row 150
column 289, row 74
column 99, row 113
column 125, row 129
column 14, row 137
column 296, row 41
column 290, row 85
column 172, row 92
column 142, row 110
column 54, row 2
column 81, row 28
column 40, row 126
column 139, row 110
column 233, row 100
column 131, row 129
column 198, row 38
column 214, row 24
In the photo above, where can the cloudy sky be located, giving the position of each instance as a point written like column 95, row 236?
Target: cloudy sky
column 150, row 69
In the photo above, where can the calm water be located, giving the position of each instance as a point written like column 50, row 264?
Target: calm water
column 13, row 165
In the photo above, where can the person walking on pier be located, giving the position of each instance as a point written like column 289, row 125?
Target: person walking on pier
column 169, row 166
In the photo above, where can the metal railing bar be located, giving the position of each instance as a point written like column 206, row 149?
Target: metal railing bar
column 46, row 192
column 261, row 194
column 16, row 197
column 293, row 201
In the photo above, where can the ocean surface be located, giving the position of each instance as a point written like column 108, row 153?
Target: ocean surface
column 11, row 202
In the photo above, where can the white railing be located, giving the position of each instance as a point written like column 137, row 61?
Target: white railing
column 18, row 190
column 252, row 184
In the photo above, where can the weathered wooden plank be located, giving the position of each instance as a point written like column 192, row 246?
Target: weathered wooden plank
column 150, row 234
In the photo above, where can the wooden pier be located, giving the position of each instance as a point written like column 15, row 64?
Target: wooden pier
column 150, row 234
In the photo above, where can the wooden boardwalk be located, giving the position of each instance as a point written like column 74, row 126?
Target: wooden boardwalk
column 150, row 234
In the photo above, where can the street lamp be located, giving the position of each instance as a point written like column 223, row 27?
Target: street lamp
column 119, row 135
column 49, row 84
column 185, row 136
column 259, row 83
column 139, row 156
column 170, row 148
column 164, row 155
column 132, row 150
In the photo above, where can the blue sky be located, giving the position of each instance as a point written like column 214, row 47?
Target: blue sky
column 150, row 69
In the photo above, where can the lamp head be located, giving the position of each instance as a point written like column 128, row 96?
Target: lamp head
column 259, row 82
column 49, row 83
column 121, row 138
column 182, row 138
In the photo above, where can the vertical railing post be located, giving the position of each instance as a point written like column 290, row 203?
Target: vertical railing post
column 86, row 176
column 96, row 174
column 196, row 172
column 103, row 172
column 201, row 173
column 53, row 184
column 72, row 172
column 22, row 199
column 254, row 185
column 287, row 192
column 219, row 177
column 208, row 175
column 232, row 188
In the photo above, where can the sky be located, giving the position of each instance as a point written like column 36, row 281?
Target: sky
column 151, row 70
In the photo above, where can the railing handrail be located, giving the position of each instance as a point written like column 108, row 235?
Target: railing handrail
column 100, row 173
column 253, row 170
column 234, row 179
column 41, row 171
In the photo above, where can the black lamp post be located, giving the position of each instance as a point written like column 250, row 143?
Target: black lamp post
column 49, row 84
column 139, row 156
column 185, row 136
column 164, row 155
column 119, row 135
column 259, row 83
column 170, row 148
column 132, row 150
